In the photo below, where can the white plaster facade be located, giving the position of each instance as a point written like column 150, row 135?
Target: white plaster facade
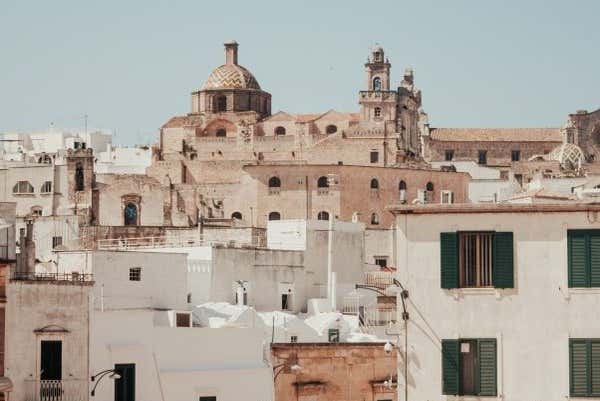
column 532, row 323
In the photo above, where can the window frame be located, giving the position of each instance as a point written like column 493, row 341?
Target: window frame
column 374, row 156
column 135, row 273
column 482, row 157
column 591, row 273
column 19, row 188
column 515, row 155
column 333, row 335
column 589, row 363
column 453, row 366
column 449, row 155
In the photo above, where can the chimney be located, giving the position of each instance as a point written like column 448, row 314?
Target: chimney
column 231, row 52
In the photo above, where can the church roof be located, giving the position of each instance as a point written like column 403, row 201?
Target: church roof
column 231, row 76
column 496, row 134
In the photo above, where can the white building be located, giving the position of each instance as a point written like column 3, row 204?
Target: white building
column 503, row 300
column 123, row 160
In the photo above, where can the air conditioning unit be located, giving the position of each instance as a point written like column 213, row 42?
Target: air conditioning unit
column 403, row 195
column 447, row 197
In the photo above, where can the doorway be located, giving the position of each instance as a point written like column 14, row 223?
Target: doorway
column 51, row 360
column 125, row 385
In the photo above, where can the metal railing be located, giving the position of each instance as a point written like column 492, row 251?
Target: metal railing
column 371, row 315
column 64, row 277
column 173, row 242
column 56, row 390
column 380, row 279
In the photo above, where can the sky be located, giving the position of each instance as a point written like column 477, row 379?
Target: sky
column 131, row 65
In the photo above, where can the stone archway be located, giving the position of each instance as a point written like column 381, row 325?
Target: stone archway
column 131, row 209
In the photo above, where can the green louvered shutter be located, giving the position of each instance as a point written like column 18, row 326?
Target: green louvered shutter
column 503, row 254
column 450, row 376
column 578, row 368
column 449, row 260
column 595, row 367
column 486, row 349
column 594, row 260
column 577, row 254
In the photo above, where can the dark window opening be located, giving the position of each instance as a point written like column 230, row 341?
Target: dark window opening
column 135, row 274
column 56, row 241
column 515, row 155
column 482, row 157
column 376, row 84
column 51, row 360
column 331, row 129
column 236, row 215
column 333, row 335
column 374, row 157
column 323, row 216
column 130, row 214
column 274, row 216
column 322, row 182
column 125, row 384
column 375, row 219
column 280, row 131
column 211, row 398
column 286, row 301
column 374, row 183
column 182, row 320
column 377, row 112
column 221, row 132
column 293, row 339
column 448, row 155
column 402, row 185
column 274, row 182
column 79, row 180
column 221, row 103
column 381, row 261
column 429, row 186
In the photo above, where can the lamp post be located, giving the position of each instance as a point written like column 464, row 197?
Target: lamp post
column 111, row 373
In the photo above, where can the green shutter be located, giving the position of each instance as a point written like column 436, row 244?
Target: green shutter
column 578, row 368
column 595, row 367
column 450, row 367
column 486, row 349
column 449, row 260
column 577, row 254
column 594, row 260
column 503, row 267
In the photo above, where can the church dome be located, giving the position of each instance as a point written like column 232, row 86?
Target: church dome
column 569, row 156
column 231, row 76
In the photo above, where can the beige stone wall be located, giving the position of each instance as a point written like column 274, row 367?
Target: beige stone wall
column 332, row 372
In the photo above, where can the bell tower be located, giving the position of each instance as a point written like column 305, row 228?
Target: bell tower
column 377, row 70
column 377, row 102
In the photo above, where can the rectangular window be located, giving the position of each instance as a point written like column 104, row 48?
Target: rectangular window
column 482, row 157
column 477, row 259
column 333, row 335
column 125, row 384
column 381, row 261
column 135, row 274
column 51, row 360
column 182, row 320
column 293, row 339
column 584, row 367
column 207, row 399
column 469, row 367
column 56, row 241
column 449, row 155
column 515, row 155
column 374, row 157
column 285, row 301
column 583, row 248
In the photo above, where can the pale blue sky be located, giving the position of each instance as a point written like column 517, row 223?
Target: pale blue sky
column 130, row 65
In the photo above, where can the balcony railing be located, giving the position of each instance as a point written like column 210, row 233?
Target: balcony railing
column 63, row 277
column 380, row 279
column 56, row 390
column 174, row 242
column 371, row 315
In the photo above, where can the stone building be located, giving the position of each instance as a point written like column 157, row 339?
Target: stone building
column 334, row 371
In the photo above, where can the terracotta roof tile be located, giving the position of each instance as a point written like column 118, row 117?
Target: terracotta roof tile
column 496, row 134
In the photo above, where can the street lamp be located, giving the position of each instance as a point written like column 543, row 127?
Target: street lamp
column 111, row 373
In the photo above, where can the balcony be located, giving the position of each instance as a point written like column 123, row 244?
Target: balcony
column 56, row 390
column 52, row 277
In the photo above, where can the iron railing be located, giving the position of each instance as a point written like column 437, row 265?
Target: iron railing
column 56, row 390
column 64, row 277
column 173, row 242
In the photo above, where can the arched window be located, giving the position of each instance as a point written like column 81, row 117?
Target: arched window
column 374, row 183
column 323, row 215
column 46, row 187
column 274, row 216
column 23, row 187
column 377, row 112
column 221, row 132
column 331, row 129
column 402, row 185
column 221, row 103
column 236, row 215
column 322, row 182
column 274, row 182
column 376, row 84
column 375, row 219
column 429, row 186
column 130, row 214
column 79, row 186
column 280, row 131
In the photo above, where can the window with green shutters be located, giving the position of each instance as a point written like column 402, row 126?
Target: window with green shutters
column 477, row 259
column 584, row 258
column 584, row 367
column 469, row 367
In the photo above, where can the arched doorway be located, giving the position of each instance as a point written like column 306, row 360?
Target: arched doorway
column 130, row 214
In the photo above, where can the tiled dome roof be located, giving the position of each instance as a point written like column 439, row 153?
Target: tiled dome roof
column 231, row 76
